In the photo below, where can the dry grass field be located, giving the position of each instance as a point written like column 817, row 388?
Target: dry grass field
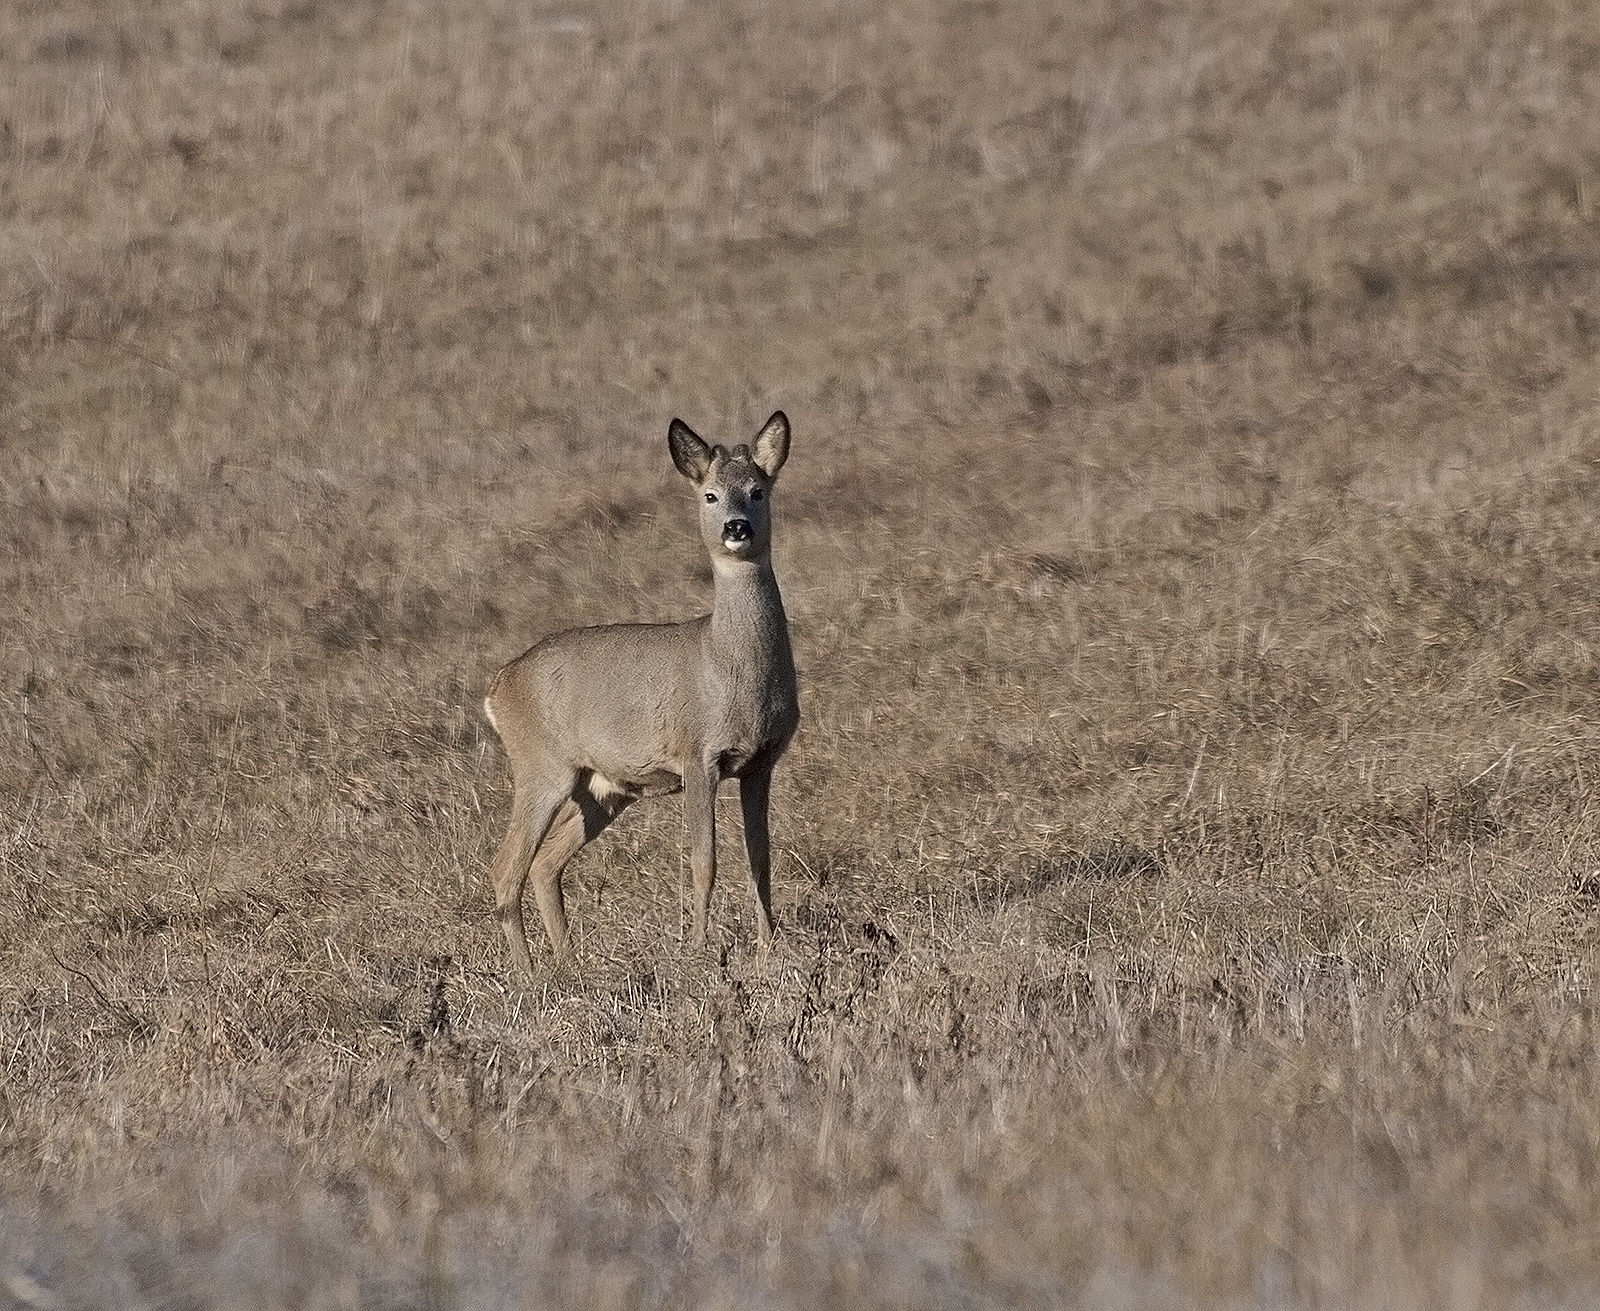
column 1188, row 868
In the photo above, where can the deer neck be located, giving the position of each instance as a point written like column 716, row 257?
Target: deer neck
column 748, row 625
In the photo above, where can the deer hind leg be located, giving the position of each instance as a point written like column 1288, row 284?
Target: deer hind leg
column 533, row 807
column 580, row 819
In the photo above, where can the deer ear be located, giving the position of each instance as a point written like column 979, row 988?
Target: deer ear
column 689, row 453
column 772, row 444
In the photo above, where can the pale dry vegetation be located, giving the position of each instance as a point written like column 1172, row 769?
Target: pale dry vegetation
column 1188, row 865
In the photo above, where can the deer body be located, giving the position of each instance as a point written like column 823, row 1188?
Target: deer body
column 592, row 719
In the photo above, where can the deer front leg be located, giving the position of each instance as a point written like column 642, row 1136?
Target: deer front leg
column 700, row 813
column 754, row 790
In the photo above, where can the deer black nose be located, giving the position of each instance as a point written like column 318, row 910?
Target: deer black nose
column 737, row 530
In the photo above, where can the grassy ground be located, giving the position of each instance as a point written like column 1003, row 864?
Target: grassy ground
column 1188, row 866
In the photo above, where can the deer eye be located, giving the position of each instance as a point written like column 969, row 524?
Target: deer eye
column 711, row 498
column 757, row 494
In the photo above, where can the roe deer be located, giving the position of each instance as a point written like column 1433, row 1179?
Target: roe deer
column 592, row 719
